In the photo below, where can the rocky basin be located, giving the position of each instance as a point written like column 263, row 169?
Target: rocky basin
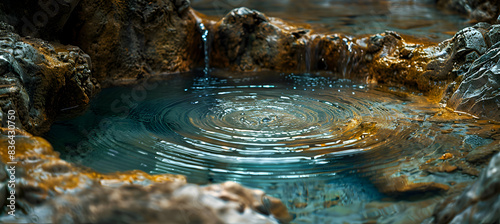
column 105, row 43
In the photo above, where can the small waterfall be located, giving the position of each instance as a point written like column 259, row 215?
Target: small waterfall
column 350, row 57
column 308, row 55
column 204, row 38
column 311, row 53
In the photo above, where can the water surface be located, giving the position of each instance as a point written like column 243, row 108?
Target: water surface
column 314, row 141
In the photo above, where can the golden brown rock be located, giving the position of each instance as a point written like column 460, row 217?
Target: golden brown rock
column 133, row 39
column 39, row 81
column 396, row 186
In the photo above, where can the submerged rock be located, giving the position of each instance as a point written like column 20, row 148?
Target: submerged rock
column 480, row 203
column 39, row 80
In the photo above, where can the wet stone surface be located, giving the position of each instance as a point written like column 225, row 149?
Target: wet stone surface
column 40, row 81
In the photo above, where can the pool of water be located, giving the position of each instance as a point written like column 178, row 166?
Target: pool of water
column 416, row 18
column 313, row 140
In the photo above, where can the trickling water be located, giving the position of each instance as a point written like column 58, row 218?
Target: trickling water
column 204, row 37
column 349, row 60
column 308, row 140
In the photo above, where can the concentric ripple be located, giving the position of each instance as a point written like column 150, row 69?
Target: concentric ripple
column 214, row 129
column 278, row 132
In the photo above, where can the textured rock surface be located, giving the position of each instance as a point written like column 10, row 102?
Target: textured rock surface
column 479, row 91
column 132, row 39
column 477, row 10
column 480, row 203
column 247, row 40
column 164, row 203
column 49, row 189
column 39, row 80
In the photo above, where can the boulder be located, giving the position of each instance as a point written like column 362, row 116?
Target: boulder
column 133, row 39
column 39, row 80
column 479, row 90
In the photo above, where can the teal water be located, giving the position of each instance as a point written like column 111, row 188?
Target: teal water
column 312, row 140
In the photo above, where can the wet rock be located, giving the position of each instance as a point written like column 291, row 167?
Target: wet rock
column 476, row 10
column 478, row 92
column 246, row 40
column 403, row 61
column 483, row 154
column 39, row 80
column 157, row 203
column 478, row 204
column 49, row 189
column 133, row 39
column 41, row 174
column 401, row 186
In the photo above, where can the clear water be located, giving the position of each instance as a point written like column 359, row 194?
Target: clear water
column 355, row 17
column 314, row 141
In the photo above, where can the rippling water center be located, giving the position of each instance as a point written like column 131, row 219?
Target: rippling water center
column 313, row 141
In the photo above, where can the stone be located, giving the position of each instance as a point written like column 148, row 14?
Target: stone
column 479, row 203
column 156, row 203
column 478, row 93
column 494, row 34
column 470, row 39
column 37, row 85
column 483, row 154
column 135, row 39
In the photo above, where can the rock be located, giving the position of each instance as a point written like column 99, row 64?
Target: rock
column 157, row 203
column 134, row 39
column 401, row 186
column 483, row 154
column 478, row 92
column 247, row 40
column 55, row 191
column 39, row 80
column 477, row 204
column 477, row 10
